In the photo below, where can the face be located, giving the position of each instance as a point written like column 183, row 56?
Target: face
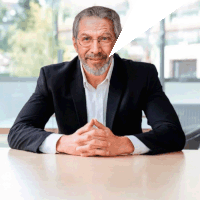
column 95, row 58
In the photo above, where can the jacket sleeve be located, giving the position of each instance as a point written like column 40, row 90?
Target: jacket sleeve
column 27, row 132
column 166, row 134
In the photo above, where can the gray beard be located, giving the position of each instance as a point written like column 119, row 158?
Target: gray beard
column 96, row 72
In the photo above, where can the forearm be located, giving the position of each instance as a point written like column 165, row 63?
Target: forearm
column 26, row 137
column 163, row 138
column 171, row 136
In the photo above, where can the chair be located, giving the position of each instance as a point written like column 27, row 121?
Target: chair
column 189, row 116
column 192, row 137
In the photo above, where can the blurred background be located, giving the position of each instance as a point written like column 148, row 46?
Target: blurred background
column 35, row 33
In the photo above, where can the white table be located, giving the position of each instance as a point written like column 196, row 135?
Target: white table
column 172, row 176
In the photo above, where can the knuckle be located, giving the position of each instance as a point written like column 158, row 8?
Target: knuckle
column 87, row 129
column 95, row 131
column 88, row 137
column 93, row 142
column 106, row 144
column 92, row 152
column 85, row 137
column 103, row 153
column 77, row 132
column 76, row 140
column 78, row 149
column 105, row 133
column 92, row 132
column 102, row 131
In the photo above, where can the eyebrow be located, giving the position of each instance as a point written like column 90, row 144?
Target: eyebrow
column 106, row 33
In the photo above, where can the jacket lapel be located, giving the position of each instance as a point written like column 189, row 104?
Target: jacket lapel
column 116, row 88
column 117, row 84
column 78, row 95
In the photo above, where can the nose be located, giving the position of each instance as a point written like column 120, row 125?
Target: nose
column 95, row 47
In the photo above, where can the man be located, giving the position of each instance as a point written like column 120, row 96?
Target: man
column 98, row 100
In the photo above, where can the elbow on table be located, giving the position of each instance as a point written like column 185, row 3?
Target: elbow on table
column 13, row 136
column 173, row 138
column 180, row 141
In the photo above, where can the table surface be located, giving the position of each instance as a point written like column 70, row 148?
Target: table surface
column 172, row 176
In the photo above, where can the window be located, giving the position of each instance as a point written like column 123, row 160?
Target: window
column 184, row 69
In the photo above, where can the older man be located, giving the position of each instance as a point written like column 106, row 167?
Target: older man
column 98, row 100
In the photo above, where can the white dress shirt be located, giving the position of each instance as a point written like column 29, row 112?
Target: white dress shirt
column 96, row 102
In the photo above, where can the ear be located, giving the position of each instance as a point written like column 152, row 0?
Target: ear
column 75, row 44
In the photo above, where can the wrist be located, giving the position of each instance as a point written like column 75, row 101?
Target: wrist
column 127, row 146
column 64, row 145
column 130, row 144
column 59, row 144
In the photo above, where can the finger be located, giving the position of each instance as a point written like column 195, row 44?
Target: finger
column 95, row 152
column 99, row 143
column 86, row 141
column 96, row 133
column 86, row 128
column 83, row 139
column 99, row 125
column 89, row 147
column 93, row 144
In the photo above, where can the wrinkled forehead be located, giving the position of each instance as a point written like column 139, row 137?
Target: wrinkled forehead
column 95, row 25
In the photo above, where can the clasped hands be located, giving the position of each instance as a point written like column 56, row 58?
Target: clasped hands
column 90, row 141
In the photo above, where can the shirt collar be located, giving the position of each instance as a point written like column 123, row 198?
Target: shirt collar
column 108, row 77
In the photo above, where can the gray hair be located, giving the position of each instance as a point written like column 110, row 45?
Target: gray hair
column 101, row 12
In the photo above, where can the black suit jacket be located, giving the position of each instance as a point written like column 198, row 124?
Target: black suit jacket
column 134, row 86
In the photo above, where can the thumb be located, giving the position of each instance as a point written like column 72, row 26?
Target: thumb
column 98, row 124
column 86, row 128
column 90, row 124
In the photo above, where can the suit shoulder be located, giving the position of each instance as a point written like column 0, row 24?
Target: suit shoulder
column 55, row 70
column 56, row 67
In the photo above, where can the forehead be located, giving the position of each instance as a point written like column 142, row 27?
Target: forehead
column 95, row 24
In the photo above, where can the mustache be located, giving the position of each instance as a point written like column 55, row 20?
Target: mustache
column 98, row 56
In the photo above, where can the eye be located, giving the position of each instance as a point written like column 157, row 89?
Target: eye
column 104, row 38
column 86, row 39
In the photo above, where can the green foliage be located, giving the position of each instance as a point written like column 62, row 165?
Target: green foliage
column 32, row 48
column 23, row 17
column 4, row 45
column 3, row 37
column 32, row 40
column 66, row 13
column 2, row 13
